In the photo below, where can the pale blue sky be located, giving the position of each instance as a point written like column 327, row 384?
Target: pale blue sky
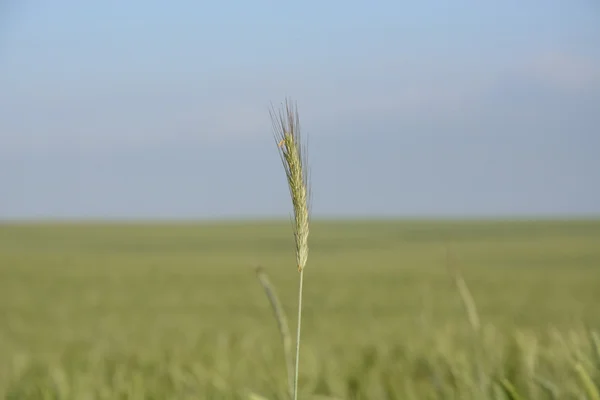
column 144, row 109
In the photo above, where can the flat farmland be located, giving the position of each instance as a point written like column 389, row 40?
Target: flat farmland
column 175, row 311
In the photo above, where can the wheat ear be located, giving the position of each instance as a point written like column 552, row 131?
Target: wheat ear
column 286, row 128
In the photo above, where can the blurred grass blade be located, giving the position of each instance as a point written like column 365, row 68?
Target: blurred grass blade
column 548, row 387
column 595, row 342
column 510, row 390
column 254, row 396
column 284, row 331
column 473, row 317
column 588, row 383
column 465, row 294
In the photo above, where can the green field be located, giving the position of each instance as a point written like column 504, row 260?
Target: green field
column 143, row 311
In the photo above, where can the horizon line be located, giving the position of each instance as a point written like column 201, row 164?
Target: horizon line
column 592, row 217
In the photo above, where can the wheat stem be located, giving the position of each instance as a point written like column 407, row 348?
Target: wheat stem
column 297, row 366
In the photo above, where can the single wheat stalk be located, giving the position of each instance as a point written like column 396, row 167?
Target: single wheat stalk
column 286, row 128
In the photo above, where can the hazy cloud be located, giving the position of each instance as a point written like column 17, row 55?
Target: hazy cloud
column 565, row 71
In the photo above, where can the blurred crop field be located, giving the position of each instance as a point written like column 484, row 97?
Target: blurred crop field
column 175, row 311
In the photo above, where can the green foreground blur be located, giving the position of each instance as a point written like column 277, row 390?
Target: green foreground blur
column 150, row 311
